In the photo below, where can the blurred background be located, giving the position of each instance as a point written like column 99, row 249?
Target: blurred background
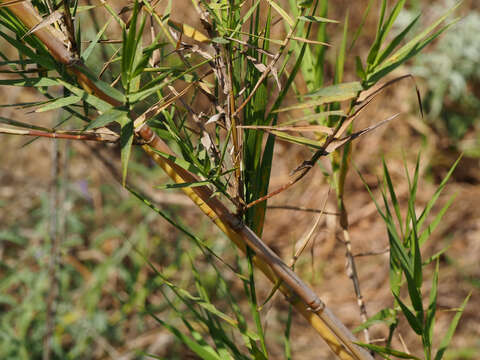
column 107, row 237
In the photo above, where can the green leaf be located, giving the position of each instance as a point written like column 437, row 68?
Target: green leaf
column 339, row 90
column 180, row 162
column 183, row 185
column 393, row 62
column 415, row 296
column 281, row 12
column 142, row 63
column 138, row 66
column 22, row 62
column 220, row 40
column 316, row 19
column 359, row 68
column 84, row 8
column 42, row 58
column 205, row 303
column 150, row 88
column 105, row 87
column 408, row 50
column 184, row 230
column 126, row 141
column 32, row 82
column 362, row 23
column 317, row 102
column 271, row 119
column 88, row 51
column 395, row 277
column 386, row 316
column 297, row 139
column 418, row 39
column 254, row 308
column 139, row 61
column 389, row 23
column 60, row 103
column 411, row 318
column 397, row 251
column 387, row 351
column 372, row 54
column 302, row 53
column 203, row 350
column 305, row 4
column 432, row 306
column 451, row 330
column 417, row 257
column 217, row 333
column 433, row 225
column 288, row 328
column 437, row 193
column 130, row 43
column 393, row 196
column 412, row 190
column 109, row 90
column 306, row 128
column 377, row 205
column 245, row 18
column 341, row 55
column 21, row 124
column 91, row 99
column 396, row 41
column 108, row 117
column 436, row 256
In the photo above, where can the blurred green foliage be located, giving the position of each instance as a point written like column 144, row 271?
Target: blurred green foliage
column 105, row 284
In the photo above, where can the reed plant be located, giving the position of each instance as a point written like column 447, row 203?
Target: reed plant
column 147, row 93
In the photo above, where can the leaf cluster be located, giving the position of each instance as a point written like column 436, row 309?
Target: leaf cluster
column 406, row 236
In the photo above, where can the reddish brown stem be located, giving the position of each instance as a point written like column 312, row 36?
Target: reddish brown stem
column 111, row 138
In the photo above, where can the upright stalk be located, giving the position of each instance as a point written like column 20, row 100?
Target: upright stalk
column 54, row 250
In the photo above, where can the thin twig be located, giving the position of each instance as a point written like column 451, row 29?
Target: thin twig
column 352, row 273
column 69, row 135
column 267, row 70
column 301, row 208
column 54, row 248
column 301, row 245
column 372, row 253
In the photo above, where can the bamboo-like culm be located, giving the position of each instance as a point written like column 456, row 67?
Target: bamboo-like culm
column 300, row 295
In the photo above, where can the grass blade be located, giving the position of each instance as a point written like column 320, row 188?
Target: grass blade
column 453, row 325
column 126, row 141
column 411, row 318
column 432, row 308
column 60, row 103
column 388, row 25
column 205, row 351
column 108, row 117
column 281, row 12
column 388, row 351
